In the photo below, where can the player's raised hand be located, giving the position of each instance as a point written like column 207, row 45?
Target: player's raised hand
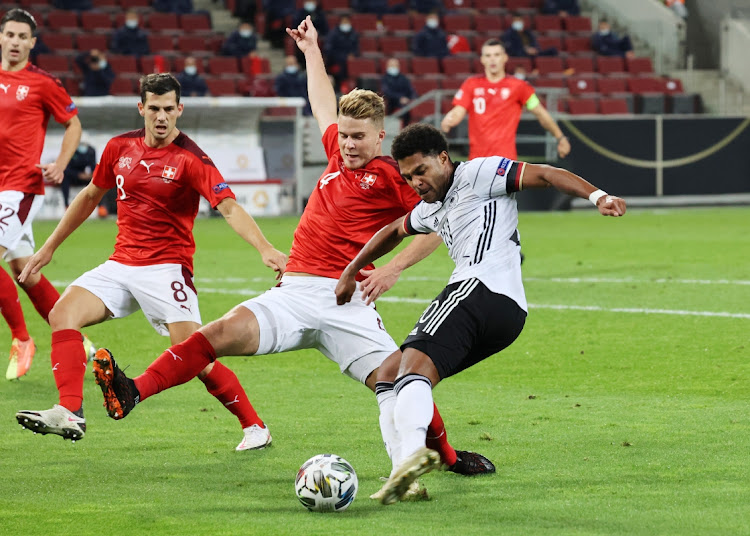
column 276, row 260
column 36, row 262
column 305, row 35
column 345, row 289
column 377, row 282
column 611, row 205
column 51, row 172
column 563, row 147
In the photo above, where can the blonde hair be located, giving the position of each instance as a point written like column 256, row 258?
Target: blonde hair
column 363, row 104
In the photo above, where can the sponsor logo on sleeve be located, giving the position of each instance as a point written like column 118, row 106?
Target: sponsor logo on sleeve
column 502, row 169
column 219, row 187
column 70, row 107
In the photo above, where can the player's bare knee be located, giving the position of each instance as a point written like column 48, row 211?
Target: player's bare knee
column 236, row 333
column 60, row 317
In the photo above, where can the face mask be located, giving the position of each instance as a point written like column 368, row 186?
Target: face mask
column 520, row 76
column 346, row 28
column 432, row 23
column 393, row 71
column 603, row 32
column 291, row 69
column 82, row 149
column 131, row 23
column 102, row 64
column 246, row 33
column 310, row 6
column 517, row 25
column 191, row 70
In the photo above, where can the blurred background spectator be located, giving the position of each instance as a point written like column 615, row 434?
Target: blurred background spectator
column 240, row 42
column 519, row 41
column 316, row 13
column 607, row 43
column 130, row 39
column 341, row 43
column 431, row 40
column 276, row 12
column 193, row 84
column 396, row 88
column 292, row 82
column 97, row 73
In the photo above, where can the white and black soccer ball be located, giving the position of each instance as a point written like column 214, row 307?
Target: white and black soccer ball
column 326, row 483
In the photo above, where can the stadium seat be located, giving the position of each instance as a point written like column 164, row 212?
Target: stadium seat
column 179, row 64
column 261, row 86
column 163, row 22
column 548, row 23
column 577, row 24
column 396, row 22
column 521, row 5
column 123, row 65
column 609, row 85
column 420, row 111
column 683, row 103
column 72, row 86
column 582, row 106
column 645, row 84
column 420, row 65
column 639, row 65
column 549, row 81
column 548, row 64
column 574, row 44
column 54, row 64
column 550, row 41
column 195, row 22
column 122, row 87
column 221, row 87
column 363, row 22
column 417, row 21
column 489, row 7
column 451, row 82
column 59, row 41
column 489, row 24
column 255, row 65
column 148, row 64
column 580, row 64
column 160, row 43
column 368, row 43
column 673, row 85
column 512, row 63
column 456, row 64
column 358, row 66
column 60, row 20
column 610, row 64
column 581, row 84
column 340, row 5
column 423, row 85
column 612, row 105
column 91, row 41
column 369, row 81
column 650, row 103
column 92, row 21
column 456, row 22
column 134, row 4
column 194, row 45
column 225, row 66
column 394, row 44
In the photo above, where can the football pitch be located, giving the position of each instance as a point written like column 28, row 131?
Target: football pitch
column 622, row 408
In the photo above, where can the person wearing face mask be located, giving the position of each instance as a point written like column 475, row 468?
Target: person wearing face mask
column 240, row 42
column 292, row 82
column 97, row 73
column 431, row 40
column 193, row 84
column 79, row 172
column 130, row 39
column 312, row 9
column 606, row 43
column 341, row 43
column 396, row 88
column 520, row 41
column 277, row 12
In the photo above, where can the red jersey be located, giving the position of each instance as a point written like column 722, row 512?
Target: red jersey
column 494, row 112
column 158, row 192
column 345, row 209
column 27, row 98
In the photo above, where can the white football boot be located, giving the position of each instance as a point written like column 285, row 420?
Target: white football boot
column 255, row 438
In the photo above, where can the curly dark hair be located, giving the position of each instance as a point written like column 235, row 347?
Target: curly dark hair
column 159, row 84
column 418, row 138
column 18, row 15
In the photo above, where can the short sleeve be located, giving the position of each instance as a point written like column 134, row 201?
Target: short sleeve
column 416, row 221
column 463, row 95
column 58, row 103
column 494, row 176
column 526, row 92
column 104, row 175
column 331, row 141
column 208, row 181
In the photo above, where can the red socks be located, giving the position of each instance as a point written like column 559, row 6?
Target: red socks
column 11, row 308
column 43, row 295
column 178, row 364
column 69, row 367
column 437, row 439
column 224, row 385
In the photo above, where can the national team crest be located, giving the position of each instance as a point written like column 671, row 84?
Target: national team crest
column 505, row 93
column 367, row 180
column 125, row 162
column 22, row 92
column 169, row 173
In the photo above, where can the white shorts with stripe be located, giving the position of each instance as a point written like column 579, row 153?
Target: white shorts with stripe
column 17, row 212
column 164, row 292
column 302, row 313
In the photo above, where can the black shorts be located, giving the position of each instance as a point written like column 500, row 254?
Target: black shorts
column 465, row 324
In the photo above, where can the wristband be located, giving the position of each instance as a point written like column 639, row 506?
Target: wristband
column 596, row 195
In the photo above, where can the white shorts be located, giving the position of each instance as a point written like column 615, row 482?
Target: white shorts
column 17, row 211
column 164, row 292
column 302, row 313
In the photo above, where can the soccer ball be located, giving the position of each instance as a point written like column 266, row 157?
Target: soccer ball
column 326, row 483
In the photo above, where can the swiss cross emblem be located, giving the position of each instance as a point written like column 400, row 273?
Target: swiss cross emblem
column 22, row 92
column 169, row 172
column 367, row 180
column 505, row 93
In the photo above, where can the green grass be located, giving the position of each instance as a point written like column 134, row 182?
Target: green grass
column 600, row 421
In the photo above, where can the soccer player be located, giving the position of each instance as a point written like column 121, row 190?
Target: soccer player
column 472, row 206
column 494, row 103
column 159, row 175
column 28, row 97
column 359, row 192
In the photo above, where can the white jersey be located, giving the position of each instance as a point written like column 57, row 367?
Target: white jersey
column 478, row 221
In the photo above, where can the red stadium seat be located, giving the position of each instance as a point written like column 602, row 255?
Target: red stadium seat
column 548, row 23
column 581, row 84
column 639, row 65
column 358, row 66
column 148, row 64
column 489, row 24
column 54, row 64
column 59, row 41
column 550, row 41
column 512, row 63
column 577, row 24
column 122, row 65
column 219, row 65
column 548, row 64
column 163, row 22
column 92, row 21
column 393, row 44
column 363, row 22
column 420, row 65
column 610, row 64
column 456, row 64
column 645, row 84
column 516, row 5
column 221, row 87
column 160, row 43
column 609, row 85
column 673, row 85
column 582, row 106
column 550, row 81
column 255, row 65
column 194, row 45
column 396, row 22
column 456, row 22
column 424, row 84
column 195, row 22
column 573, row 44
column 580, row 64
column 122, row 86
column 128, row 4
column 59, row 19
column 612, row 105
column 329, row 5
column 91, row 41
column 368, row 43
column 261, row 86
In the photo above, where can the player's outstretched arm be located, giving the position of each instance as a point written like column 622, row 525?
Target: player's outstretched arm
column 544, row 176
column 54, row 172
column 381, row 243
column 380, row 280
column 452, row 118
column 319, row 89
column 245, row 226
column 550, row 125
column 80, row 209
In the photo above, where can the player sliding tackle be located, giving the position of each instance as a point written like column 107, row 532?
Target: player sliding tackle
column 359, row 192
column 483, row 309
